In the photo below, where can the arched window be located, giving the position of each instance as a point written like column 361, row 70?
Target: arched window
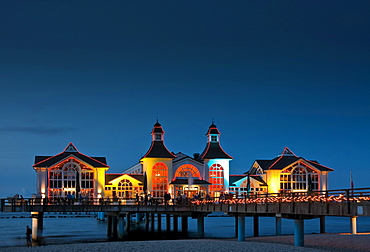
column 185, row 170
column 125, row 189
column 159, row 180
column 299, row 177
column 216, row 178
column 69, row 175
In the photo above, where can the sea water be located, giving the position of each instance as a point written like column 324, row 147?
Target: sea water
column 82, row 227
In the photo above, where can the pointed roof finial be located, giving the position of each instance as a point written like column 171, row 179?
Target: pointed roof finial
column 287, row 152
column 70, row 148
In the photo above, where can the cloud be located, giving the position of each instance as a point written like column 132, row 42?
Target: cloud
column 37, row 130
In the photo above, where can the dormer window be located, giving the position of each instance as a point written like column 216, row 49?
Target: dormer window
column 213, row 138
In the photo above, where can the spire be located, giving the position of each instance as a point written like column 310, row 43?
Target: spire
column 213, row 135
column 157, row 132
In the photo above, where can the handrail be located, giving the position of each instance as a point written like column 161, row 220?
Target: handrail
column 327, row 196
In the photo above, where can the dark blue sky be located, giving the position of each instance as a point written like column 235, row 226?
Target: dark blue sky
column 271, row 73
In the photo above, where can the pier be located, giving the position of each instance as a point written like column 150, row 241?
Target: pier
column 349, row 203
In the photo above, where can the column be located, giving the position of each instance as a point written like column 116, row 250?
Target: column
column 353, row 224
column 184, row 223
column 241, row 228
column 128, row 222
column 37, row 225
column 175, row 223
column 236, row 225
column 138, row 218
column 159, row 222
column 121, row 227
column 109, row 226
column 322, row 225
column 152, row 222
column 168, row 222
column 147, row 216
column 299, row 232
column 114, row 228
column 200, row 227
column 255, row 226
column 278, row 225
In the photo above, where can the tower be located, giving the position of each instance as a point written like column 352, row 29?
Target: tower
column 157, row 164
column 216, row 162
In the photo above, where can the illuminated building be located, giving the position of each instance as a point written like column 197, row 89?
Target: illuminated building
column 70, row 172
column 160, row 171
column 181, row 174
column 284, row 174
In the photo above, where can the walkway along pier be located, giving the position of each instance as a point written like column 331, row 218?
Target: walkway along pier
column 297, row 206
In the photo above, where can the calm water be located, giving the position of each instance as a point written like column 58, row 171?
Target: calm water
column 85, row 228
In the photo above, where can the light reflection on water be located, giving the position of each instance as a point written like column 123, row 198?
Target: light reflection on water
column 70, row 228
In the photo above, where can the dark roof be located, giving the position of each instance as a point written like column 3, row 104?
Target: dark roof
column 234, row 178
column 186, row 181
column 287, row 158
column 181, row 156
column 158, row 150
column 110, row 176
column 213, row 129
column 48, row 161
column 157, row 128
column 259, row 179
column 214, row 150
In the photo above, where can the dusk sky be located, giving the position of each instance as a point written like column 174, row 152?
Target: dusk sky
column 272, row 74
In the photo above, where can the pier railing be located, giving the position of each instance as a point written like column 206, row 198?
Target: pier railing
column 344, row 202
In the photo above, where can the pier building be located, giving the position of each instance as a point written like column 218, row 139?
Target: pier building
column 161, row 171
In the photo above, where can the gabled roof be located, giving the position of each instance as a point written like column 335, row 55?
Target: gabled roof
column 158, row 150
column 259, row 179
column 287, row 158
column 186, row 181
column 214, row 150
column 181, row 156
column 111, row 176
column 69, row 151
column 235, row 178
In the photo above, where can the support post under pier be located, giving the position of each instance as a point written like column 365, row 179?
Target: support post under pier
column 109, row 226
column 278, row 225
column 121, row 227
column 322, row 225
column 353, row 224
column 200, row 227
column 175, row 223
column 37, row 225
column 159, row 222
column 299, row 232
column 168, row 222
column 114, row 228
column 241, row 228
column 255, row 226
column 184, row 223
column 152, row 226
